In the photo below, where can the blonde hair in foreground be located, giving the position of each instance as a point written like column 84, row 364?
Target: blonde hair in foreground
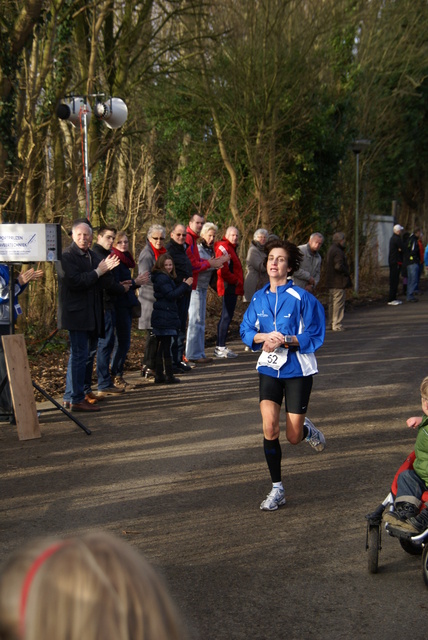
column 93, row 587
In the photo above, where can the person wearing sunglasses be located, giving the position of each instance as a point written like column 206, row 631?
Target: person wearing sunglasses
column 155, row 247
column 177, row 249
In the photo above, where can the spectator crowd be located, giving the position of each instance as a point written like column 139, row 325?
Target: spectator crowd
column 102, row 287
column 100, row 294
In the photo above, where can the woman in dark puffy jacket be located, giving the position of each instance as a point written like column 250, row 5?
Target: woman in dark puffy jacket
column 165, row 318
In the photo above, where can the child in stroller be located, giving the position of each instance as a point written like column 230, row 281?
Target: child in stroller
column 404, row 512
column 411, row 481
column 407, row 515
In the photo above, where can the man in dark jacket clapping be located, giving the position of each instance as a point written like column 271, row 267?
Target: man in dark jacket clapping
column 81, row 309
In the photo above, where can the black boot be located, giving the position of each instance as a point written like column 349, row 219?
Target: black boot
column 149, row 359
column 147, row 373
column 406, row 510
column 159, row 375
column 420, row 522
column 169, row 374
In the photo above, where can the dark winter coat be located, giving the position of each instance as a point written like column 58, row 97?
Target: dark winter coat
column 111, row 287
column 80, row 292
column 337, row 268
column 396, row 250
column 128, row 298
column 182, row 264
column 165, row 318
column 412, row 252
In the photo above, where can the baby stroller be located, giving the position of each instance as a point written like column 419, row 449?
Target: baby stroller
column 415, row 544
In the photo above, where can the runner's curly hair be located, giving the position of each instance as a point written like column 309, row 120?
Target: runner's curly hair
column 293, row 253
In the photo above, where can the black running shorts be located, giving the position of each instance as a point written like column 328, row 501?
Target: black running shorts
column 296, row 392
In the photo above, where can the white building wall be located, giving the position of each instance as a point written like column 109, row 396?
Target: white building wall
column 382, row 230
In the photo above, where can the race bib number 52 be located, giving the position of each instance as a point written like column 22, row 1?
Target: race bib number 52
column 275, row 359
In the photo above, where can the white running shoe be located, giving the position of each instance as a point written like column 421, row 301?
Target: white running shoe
column 224, row 352
column 394, row 303
column 315, row 437
column 273, row 500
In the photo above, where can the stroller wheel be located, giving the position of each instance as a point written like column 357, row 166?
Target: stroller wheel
column 425, row 564
column 410, row 547
column 373, row 536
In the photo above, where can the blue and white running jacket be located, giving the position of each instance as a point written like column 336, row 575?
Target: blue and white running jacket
column 292, row 311
column 4, row 295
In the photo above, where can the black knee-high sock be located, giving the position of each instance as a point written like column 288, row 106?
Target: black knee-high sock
column 273, row 455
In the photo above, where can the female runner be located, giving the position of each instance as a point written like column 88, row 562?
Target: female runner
column 288, row 325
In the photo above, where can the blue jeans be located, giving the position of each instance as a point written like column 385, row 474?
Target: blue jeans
column 195, row 341
column 229, row 304
column 409, row 485
column 123, row 340
column 83, row 346
column 412, row 280
column 105, row 349
column 420, row 272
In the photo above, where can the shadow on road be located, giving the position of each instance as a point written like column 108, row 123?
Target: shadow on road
column 179, row 472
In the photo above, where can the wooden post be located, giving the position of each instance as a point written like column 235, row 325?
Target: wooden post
column 21, row 387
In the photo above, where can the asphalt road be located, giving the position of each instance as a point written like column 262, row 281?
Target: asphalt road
column 179, row 472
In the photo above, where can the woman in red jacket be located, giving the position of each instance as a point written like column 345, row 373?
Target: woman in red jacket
column 230, row 285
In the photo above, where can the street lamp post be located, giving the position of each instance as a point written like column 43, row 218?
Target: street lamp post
column 77, row 110
column 357, row 147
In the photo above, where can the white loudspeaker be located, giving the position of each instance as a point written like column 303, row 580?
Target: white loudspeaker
column 73, row 109
column 114, row 112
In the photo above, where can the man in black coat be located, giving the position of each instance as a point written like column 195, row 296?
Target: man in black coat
column 395, row 260
column 81, row 309
column 176, row 247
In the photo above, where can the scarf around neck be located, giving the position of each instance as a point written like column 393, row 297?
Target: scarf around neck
column 157, row 252
column 124, row 257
